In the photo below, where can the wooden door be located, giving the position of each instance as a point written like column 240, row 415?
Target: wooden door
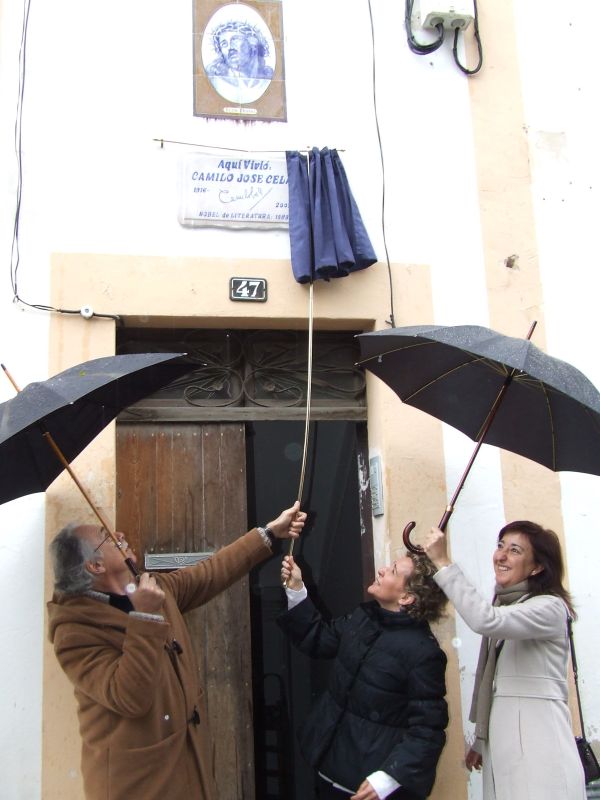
column 181, row 488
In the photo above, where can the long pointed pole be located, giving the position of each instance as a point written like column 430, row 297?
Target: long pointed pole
column 59, row 454
column 308, row 378
column 10, row 378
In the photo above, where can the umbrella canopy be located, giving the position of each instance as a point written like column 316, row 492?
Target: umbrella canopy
column 550, row 412
column 73, row 406
column 328, row 238
column 494, row 388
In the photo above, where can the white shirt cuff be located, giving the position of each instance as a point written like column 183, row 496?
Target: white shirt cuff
column 383, row 784
column 145, row 615
column 295, row 596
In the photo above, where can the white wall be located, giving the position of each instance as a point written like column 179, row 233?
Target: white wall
column 557, row 50
column 23, row 349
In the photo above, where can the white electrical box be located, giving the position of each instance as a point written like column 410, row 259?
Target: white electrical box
column 451, row 14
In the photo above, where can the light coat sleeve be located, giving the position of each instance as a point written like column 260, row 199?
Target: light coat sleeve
column 540, row 617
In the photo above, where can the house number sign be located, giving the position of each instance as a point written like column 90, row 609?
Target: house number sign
column 252, row 289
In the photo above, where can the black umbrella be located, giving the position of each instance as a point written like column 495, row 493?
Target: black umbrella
column 492, row 387
column 47, row 424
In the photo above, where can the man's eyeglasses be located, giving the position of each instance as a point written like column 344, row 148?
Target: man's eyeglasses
column 123, row 543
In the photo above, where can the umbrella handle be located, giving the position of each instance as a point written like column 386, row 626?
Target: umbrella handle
column 416, row 548
column 412, row 548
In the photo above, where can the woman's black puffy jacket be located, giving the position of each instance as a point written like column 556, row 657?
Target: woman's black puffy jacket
column 384, row 708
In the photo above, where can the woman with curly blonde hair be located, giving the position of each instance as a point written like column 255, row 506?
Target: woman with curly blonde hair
column 378, row 729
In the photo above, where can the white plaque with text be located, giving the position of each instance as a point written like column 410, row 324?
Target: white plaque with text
column 240, row 192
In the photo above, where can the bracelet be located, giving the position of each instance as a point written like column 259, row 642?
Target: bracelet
column 267, row 536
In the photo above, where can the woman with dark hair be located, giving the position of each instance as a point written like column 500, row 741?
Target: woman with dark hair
column 524, row 739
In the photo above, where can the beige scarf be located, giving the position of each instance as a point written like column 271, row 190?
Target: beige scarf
column 486, row 665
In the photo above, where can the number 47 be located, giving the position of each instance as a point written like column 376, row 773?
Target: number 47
column 248, row 288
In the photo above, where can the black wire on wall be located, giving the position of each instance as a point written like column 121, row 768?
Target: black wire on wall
column 391, row 320
column 15, row 255
column 477, row 36
column 14, row 252
column 414, row 45
column 423, row 49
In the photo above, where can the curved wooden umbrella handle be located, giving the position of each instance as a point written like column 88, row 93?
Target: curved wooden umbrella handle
column 416, row 548
column 412, row 548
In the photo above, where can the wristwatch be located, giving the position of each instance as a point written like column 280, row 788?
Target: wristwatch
column 267, row 535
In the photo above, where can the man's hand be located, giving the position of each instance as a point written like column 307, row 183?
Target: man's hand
column 365, row 792
column 473, row 760
column 291, row 575
column 289, row 523
column 148, row 597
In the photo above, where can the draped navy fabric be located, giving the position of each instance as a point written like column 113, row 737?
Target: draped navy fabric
column 328, row 238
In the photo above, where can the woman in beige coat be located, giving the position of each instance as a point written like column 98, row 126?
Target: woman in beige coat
column 524, row 739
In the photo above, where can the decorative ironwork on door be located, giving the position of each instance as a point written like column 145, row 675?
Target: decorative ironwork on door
column 261, row 369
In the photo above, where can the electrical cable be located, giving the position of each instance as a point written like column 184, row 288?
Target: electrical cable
column 391, row 320
column 477, row 37
column 14, row 252
column 423, row 49
column 15, row 255
column 418, row 47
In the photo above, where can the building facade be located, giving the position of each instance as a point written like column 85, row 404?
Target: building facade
column 482, row 191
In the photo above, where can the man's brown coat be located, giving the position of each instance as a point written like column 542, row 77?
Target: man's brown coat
column 138, row 699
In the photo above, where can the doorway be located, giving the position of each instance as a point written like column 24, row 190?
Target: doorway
column 216, row 453
column 330, row 554
column 181, row 495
